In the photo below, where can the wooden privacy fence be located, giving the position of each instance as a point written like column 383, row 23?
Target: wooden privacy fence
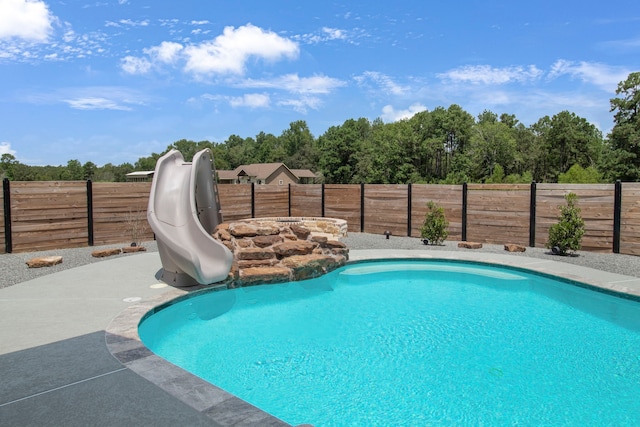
column 42, row 215
column 61, row 214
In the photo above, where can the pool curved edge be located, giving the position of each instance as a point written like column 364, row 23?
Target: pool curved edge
column 123, row 341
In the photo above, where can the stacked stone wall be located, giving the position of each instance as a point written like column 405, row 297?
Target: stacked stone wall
column 274, row 252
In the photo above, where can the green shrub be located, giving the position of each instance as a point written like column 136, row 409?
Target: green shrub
column 566, row 235
column 434, row 228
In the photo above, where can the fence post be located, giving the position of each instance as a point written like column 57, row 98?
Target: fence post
column 289, row 199
column 532, row 216
column 253, row 200
column 617, row 216
column 409, row 210
column 362, row 208
column 464, row 212
column 322, row 201
column 90, row 212
column 8, row 241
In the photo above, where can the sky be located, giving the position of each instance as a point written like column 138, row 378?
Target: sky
column 110, row 81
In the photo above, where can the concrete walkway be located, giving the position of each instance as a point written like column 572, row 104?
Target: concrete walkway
column 56, row 368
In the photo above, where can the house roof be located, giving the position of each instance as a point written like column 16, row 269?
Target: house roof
column 259, row 170
column 303, row 173
column 262, row 171
column 226, row 174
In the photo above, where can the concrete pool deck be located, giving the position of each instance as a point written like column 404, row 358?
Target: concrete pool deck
column 70, row 355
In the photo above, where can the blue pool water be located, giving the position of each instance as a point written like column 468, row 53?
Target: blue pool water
column 408, row 343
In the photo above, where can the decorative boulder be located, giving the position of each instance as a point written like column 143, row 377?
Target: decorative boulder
column 512, row 247
column 101, row 253
column 46, row 261
column 132, row 249
column 470, row 245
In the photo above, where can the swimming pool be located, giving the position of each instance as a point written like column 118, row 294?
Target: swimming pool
column 414, row 343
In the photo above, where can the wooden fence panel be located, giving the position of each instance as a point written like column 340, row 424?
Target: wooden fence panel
column 235, row 201
column 447, row 196
column 630, row 219
column 596, row 202
column 306, row 200
column 343, row 201
column 48, row 215
column 498, row 213
column 120, row 212
column 271, row 200
column 385, row 208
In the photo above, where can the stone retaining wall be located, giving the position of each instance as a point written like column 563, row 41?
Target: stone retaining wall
column 273, row 252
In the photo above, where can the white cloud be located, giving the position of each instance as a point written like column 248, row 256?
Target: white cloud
column 133, row 65
column 485, row 74
column 326, row 34
column 203, row 22
column 295, row 84
column 226, row 54
column 382, row 81
column 334, row 33
column 166, row 52
column 251, row 100
column 25, row 19
column 262, row 100
column 605, row 76
column 90, row 98
column 302, row 105
column 229, row 52
column 5, row 148
column 389, row 114
column 127, row 22
column 95, row 103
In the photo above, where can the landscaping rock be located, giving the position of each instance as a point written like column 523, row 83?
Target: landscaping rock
column 287, row 249
column 46, row 261
column 319, row 239
column 239, row 230
column 267, row 230
column 512, row 247
column 255, row 253
column 132, row 249
column 248, row 263
column 265, row 241
column 292, row 253
column 334, row 244
column 101, row 253
column 300, row 231
column 258, row 275
column 309, row 266
column 224, row 235
column 470, row 245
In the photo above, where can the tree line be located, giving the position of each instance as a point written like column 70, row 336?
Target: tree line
column 445, row 145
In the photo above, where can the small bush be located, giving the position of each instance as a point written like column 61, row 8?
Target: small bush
column 136, row 225
column 567, row 234
column 434, row 228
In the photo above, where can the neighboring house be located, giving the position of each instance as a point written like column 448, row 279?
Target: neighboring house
column 140, row 176
column 266, row 173
column 305, row 176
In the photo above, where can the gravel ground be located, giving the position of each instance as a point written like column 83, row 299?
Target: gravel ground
column 13, row 268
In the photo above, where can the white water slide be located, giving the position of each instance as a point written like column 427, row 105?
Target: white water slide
column 183, row 212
